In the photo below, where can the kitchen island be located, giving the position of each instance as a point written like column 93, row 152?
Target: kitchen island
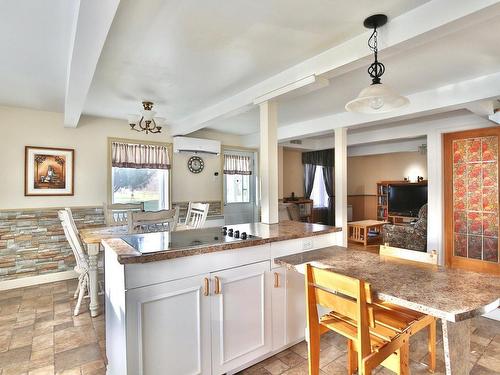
column 453, row 295
column 205, row 301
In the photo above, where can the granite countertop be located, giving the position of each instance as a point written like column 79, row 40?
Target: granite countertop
column 450, row 294
column 265, row 233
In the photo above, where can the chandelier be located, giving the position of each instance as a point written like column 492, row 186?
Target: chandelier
column 146, row 121
column 378, row 97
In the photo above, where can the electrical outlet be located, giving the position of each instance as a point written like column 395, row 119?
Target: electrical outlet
column 307, row 244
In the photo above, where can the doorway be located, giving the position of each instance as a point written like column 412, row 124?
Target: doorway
column 471, row 199
column 239, row 187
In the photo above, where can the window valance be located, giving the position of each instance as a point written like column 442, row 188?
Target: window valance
column 237, row 164
column 135, row 155
column 325, row 158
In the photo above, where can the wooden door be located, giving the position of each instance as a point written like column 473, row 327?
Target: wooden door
column 241, row 316
column 169, row 328
column 471, row 199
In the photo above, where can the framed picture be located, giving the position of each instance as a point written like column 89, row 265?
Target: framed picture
column 48, row 171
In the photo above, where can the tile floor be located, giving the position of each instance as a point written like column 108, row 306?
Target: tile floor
column 485, row 354
column 40, row 336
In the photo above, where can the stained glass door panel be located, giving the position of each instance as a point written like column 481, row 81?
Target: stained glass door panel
column 472, row 199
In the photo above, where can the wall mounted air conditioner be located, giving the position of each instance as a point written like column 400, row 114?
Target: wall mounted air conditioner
column 196, row 145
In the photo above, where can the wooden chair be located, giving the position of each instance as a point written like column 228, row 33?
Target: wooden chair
column 116, row 214
column 396, row 315
column 369, row 344
column 82, row 264
column 157, row 221
column 196, row 215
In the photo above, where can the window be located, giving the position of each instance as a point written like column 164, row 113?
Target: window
column 140, row 173
column 237, row 188
column 132, row 185
column 237, row 177
column 319, row 194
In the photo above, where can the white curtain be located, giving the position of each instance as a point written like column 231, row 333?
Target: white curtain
column 134, row 155
column 237, row 164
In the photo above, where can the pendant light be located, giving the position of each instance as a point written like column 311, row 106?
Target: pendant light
column 378, row 97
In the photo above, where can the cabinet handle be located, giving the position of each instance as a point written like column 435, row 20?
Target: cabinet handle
column 206, row 286
column 217, row 285
column 276, row 280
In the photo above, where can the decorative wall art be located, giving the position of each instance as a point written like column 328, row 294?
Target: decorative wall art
column 48, row 171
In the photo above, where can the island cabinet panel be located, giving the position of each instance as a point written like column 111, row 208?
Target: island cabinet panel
column 168, row 328
column 241, row 316
column 289, row 308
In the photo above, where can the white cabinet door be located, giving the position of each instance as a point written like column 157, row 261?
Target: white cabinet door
column 295, row 306
column 168, row 328
column 241, row 316
column 289, row 307
column 277, row 281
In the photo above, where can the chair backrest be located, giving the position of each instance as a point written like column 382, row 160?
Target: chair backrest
column 117, row 213
column 196, row 215
column 157, row 221
column 283, row 214
column 413, row 255
column 294, row 212
column 343, row 295
column 71, row 233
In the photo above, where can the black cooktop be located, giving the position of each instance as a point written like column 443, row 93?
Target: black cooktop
column 186, row 239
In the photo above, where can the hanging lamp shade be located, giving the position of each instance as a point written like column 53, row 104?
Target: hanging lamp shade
column 377, row 98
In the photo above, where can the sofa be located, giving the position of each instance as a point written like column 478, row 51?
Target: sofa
column 411, row 236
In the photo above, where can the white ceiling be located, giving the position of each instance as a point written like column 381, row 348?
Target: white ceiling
column 34, row 41
column 453, row 58
column 189, row 56
column 186, row 55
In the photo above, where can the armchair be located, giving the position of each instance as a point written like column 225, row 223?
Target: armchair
column 412, row 237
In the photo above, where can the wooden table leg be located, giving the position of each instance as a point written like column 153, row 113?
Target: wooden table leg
column 93, row 252
column 365, row 235
column 456, row 341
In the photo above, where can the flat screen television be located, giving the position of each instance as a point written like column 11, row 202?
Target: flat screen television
column 406, row 200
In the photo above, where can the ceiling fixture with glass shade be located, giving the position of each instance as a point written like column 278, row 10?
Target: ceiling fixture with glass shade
column 146, row 121
column 378, row 97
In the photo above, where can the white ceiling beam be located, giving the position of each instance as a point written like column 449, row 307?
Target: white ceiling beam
column 92, row 23
column 302, row 86
column 442, row 99
column 427, row 22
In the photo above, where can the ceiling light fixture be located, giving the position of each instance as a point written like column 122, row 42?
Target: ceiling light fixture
column 146, row 122
column 378, row 97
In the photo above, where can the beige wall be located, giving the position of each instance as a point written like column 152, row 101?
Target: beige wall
column 363, row 173
column 280, row 172
column 293, row 173
column 22, row 127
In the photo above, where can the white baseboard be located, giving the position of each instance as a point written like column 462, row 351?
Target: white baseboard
column 36, row 280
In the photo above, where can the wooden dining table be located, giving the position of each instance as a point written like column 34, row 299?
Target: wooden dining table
column 92, row 237
column 453, row 295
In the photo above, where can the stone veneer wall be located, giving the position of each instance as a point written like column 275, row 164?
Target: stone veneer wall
column 32, row 241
